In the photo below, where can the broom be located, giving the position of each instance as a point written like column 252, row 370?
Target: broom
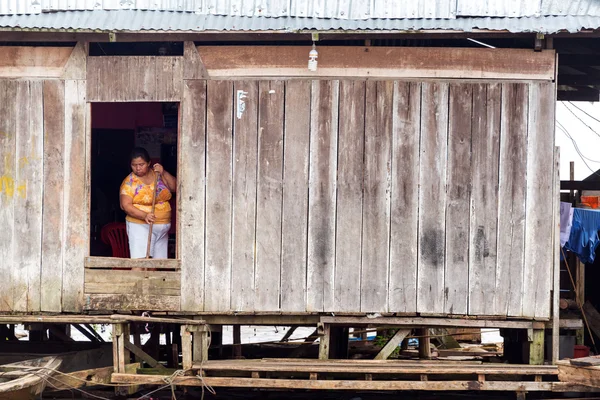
column 152, row 224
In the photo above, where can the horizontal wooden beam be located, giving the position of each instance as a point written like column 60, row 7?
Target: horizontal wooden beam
column 580, row 185
column 130, row 263
column 433, row 322
column 379, row 62
column 377, row 366
column 131, row 302
column 34, row 62
column 158, row 283
column 93, row 319
column 335, row 384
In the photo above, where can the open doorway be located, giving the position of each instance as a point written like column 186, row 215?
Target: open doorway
column 116, row 129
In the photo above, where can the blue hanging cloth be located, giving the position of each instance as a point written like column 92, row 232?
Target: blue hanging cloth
column 584, row 239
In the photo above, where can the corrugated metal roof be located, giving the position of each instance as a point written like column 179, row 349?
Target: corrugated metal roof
column 128, row 20
column 341, row 9
column 546, row 16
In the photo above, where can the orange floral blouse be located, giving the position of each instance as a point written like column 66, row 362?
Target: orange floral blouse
column 141, row 194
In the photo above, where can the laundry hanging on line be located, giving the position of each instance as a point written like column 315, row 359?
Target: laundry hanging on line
column 583, row 238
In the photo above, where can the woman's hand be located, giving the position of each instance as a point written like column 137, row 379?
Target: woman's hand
column 158, row 169
column 150, row 218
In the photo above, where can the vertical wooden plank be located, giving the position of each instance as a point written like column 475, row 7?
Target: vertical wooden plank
column 511, row 199
column 169, row 76
column 217, row 277
column 19, row 266
column 191, row 194
column 245, row 139
column 52, row 213
column 537, row 277
column 295, row 196
column 376, row 202
column 8, row 134
column 484, row 199
column 456, row 287
column 432, row 198
column 321, row 198
column 76, row 212
column 193, row 67
column 269, row 195
column 28, row 197
column 92, row 81
column 351, row 146
column 405, row 197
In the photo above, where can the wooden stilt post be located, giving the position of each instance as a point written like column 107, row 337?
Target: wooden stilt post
column 119, row 347
column 424, row 343
column 324, row 331
column 186, row 347
column 536, row 346
column 237, row 341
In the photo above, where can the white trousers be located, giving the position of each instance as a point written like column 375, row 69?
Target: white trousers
column 138, row 240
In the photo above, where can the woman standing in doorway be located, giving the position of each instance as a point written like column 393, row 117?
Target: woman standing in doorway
column 136, row 200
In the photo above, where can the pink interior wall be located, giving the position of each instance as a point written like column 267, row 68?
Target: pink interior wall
column 126, row 115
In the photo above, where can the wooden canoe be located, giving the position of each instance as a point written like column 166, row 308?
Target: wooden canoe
column 25, row 379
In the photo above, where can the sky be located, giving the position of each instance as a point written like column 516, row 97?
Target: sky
column 584, row 131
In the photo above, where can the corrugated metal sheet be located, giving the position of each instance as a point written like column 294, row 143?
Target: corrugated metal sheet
column 341, row 9
column 291, row 15
column 129, row 20
column 498, row 8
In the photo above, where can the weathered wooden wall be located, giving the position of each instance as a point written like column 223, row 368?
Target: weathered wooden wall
column 370, row 196
column 421, row 196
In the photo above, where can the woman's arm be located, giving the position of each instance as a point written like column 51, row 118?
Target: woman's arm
column 169, row 180
column 132, row 211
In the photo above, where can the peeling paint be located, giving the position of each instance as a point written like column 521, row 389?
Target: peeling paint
column 7, row 185
column 22, row 190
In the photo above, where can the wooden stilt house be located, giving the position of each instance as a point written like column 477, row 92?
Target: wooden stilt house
column 412, row 178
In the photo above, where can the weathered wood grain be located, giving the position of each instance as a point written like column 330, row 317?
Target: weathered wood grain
column 537, row 276
column 53, row 186
column 269, row 195
column 484, row 199
column 8, row 133
column 379, row 62
column 511, row 199
column 217, row 276
column 321, row 207
column 131, row 302
column 193, row 67
column 169, row 78
column 135, row 78
column 432, row 197
column 405, row 197
column 456, row 287
column 28, row 196
column 245, row 142
column 376, row 201
column 482, row 241
column 349, row 214
column 75, row 68
column 191, row 194
column 129, row 263
column 19, row 269
column 145, row 283
column 33, row 61
column 295, row 196
column 76, row 239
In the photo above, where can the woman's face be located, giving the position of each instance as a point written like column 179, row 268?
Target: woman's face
column 139, row 166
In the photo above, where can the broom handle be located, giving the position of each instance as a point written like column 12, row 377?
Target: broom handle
column 152, row 224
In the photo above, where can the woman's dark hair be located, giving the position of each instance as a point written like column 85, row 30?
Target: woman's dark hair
column 139, row 152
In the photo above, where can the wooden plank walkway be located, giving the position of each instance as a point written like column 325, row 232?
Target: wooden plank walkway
column 365, row 375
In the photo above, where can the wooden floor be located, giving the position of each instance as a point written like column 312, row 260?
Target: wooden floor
column 365, row 375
